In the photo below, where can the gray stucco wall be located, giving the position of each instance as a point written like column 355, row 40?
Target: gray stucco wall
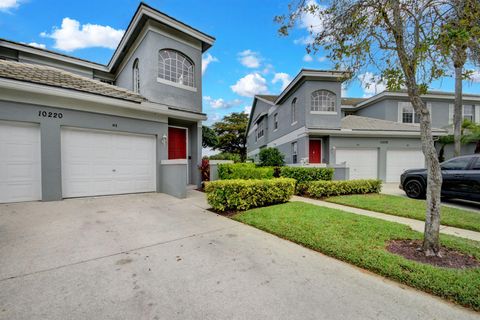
column 324, row 121
column 260, row 107
column 50, row 130
column 388, row 110
column 147, row 53
column 381, row 144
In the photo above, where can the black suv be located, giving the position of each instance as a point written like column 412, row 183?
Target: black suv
column 461, row 179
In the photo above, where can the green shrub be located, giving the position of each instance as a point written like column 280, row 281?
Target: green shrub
column 302, row 174
column 226, row 156
column 228, row 195
column 271, row 157
column 319, row 189
column 246, row 171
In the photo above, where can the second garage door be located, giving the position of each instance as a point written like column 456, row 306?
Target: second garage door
column 401, row 160
column 103, row 163
column 363, row 163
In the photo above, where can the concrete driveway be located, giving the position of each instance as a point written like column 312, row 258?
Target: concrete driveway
column 151, row 256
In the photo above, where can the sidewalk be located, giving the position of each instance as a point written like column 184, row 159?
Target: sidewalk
column 412, row 223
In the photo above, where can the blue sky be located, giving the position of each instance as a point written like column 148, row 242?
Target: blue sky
column 248, row 57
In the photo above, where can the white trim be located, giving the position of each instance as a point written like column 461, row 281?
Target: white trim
column 327, row 75
column 324, row 112
column 174, row 162
column 264, row 100
column 294, row 123
column 175, row 84
column 272, row 110
column 405, row 95
column 20, row 91
column 187, row 149
column 451, row 111
column 377, row 133
column 477, row 113
column 294, row 135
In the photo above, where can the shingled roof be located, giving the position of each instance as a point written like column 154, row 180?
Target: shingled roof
column 54, row 77
column 371, row 124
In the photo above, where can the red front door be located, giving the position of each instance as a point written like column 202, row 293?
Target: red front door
column 315, row 151
column 177, row 143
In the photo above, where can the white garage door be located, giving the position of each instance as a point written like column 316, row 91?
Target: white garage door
column 401, row 160
column 20, row 170
column 363, row 163
column 101, row 163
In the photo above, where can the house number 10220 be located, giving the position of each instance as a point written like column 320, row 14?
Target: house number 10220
column 48, row 114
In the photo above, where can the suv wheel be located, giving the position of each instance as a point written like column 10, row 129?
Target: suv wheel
column 414, row 189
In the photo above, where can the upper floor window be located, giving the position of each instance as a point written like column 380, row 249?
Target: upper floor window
column 468, row 113
column 175, row 67
column 294, row 152
column 294, row 110
column 260, row 130
column 275, row 121
column 409, row 115
column 136, row 77
column 323, row 101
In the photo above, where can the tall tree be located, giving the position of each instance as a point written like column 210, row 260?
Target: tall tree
column 209, row 137
column 231, row 133
column 394, row 38
column 460, row 42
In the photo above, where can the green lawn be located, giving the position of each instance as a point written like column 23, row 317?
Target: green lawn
column 361, row 241
column 409, row 208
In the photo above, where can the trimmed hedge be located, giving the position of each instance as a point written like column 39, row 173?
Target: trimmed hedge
column 240, row 195
column 245, row 171
column 320, row 189
column 302, row 174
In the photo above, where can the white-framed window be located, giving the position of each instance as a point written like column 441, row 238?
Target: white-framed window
column 136, row 76
column 323, row 101
column 406, row 113
column 260, row 130
column 468, row 113
column 294, row 110
column 275, row 121
column 294, row 152
column 176, row 67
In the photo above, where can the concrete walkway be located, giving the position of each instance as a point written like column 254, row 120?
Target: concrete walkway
column 412, row 223
column 151, row 256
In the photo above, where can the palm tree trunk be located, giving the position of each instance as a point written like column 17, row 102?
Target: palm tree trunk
column 458, row 114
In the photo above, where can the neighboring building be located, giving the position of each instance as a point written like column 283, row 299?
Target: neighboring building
column 378, row 137
column 71, row 127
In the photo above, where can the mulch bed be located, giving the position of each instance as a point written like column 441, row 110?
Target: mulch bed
column 449, row 258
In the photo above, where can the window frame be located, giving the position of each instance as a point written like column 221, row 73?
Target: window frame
column 294, row 152
column 322, row 96
column 260, row 130
column 275, row 121
column 173, row 72
column 293, row 110
column 471, row 115
column 136, row 76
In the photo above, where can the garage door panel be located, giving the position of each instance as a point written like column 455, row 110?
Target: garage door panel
column 362, row 163
column 20, row 162
column 109, row 163
column 400, row 160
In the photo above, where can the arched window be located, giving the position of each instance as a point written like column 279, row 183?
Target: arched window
column 136, row 77
column 323, row 101
column 294, row 110
column 175, row 67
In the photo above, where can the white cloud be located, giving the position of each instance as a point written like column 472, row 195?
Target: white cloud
column 221, row 103
column 282, row 77
column 311, row 22
column 307, row 58
column 6, row 5
column 344, row 90
column 322, row 59
column 247, row 109
column 37, row 45
column 250, row 59
column 475, row 76
column 206, row 60
column 72, row 36
column 371, row 84
column 212, row 118
column 250, row 85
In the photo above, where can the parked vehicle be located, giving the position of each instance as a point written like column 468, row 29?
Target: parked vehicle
column 461, row 179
